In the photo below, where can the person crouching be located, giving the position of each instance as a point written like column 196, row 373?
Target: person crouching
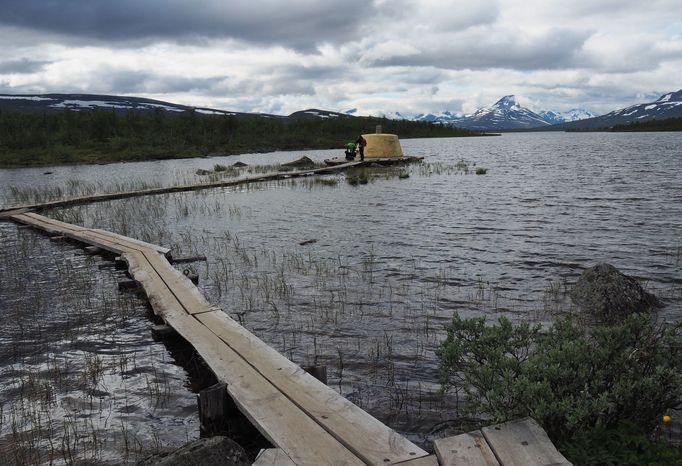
column 350, row 151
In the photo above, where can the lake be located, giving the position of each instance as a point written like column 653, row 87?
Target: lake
column 392, row 260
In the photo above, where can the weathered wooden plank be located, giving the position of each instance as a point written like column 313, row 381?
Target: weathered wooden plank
column 132, row 241
column 465, row 449
column 430, row 460
column 189, row 295
column 7, row 213
column 70, row 231
column 523, row 443
column 368, row 438
column 273, row 457
column 172, row 189
column 53, row 222
column 278, row 419
column 96, row 234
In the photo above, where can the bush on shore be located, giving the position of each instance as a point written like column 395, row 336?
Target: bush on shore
column 572, row 379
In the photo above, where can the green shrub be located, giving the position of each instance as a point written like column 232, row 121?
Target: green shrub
column 624, row 444
column 570, row 379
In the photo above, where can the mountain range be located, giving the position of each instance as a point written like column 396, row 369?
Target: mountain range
column 505, row 114
column 667, row 106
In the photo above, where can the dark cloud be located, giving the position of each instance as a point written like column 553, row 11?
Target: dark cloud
column 133, row 81
column 499, row 49
column 22, row 66
column 300, row 24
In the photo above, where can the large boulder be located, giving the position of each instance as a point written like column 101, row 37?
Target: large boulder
column 303, row 162
column 608, row 295
column 205, row 452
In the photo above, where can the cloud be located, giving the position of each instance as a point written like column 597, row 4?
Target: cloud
column 22, row 66
column 300, row 24
column 486, row 48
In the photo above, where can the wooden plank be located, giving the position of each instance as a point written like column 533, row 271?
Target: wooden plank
column 55, row 223
column 70, row 231
column 277, row 418
column 465, row 449
column 133, row 241
column 523, row 443
column 368, row 438
column 172, row 189
column 6, row 214
column 189, row 295
column 273, row 457
column 99, row 234
column 363, row 434
column 430, row 460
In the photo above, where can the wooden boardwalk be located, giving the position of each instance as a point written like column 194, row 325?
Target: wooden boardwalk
column 307, row 422
column 76, row 200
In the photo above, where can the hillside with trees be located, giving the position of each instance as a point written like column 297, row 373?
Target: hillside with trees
column 669, row 124
column 105, row 136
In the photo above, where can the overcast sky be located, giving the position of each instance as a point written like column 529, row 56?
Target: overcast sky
column 412, row 56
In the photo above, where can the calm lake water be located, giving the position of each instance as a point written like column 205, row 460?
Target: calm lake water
column 392, row 261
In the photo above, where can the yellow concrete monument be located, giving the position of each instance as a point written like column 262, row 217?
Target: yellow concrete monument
column 381, row 145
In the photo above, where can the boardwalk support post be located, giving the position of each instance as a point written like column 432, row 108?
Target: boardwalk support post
column 213, row 409
column 319, row 372
column 161, row 331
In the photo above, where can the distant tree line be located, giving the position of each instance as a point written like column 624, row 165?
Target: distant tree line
column 107, row 135
column 669, row 124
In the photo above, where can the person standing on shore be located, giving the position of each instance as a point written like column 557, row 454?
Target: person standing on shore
column 361, row 143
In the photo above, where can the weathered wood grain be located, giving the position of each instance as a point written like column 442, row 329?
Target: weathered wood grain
column 273, row 457
column 465, row 449
column 523, row 443
column 371, row 440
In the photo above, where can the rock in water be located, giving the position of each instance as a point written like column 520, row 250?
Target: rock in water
column 202, row 172
column 205, row 451
column 608, row 295
column 303, row 162
column 239, row 164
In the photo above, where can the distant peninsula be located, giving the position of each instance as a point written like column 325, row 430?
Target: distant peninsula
column 32, row 135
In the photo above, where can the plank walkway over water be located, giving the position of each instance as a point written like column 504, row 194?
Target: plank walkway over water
column 209, row 185
column 307, row 421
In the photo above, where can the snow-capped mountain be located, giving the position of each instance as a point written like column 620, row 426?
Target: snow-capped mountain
column 444, row 117
column 395, row 116
column 79, row 102
column 575, row 114
column 506, row 113
column 667, row 106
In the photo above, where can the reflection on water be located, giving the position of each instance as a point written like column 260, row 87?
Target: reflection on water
column 394, row 258
column 82, row 378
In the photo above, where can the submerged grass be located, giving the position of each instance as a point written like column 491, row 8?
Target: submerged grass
column 82, row 380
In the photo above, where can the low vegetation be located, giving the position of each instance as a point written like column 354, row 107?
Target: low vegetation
column 106, row 136
column 581, row 384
